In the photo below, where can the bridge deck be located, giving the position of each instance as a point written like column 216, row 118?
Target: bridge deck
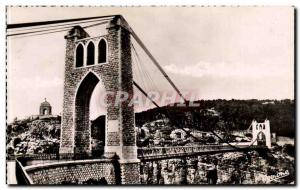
column 184, row 151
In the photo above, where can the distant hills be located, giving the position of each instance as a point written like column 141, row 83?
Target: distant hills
column 227, row 115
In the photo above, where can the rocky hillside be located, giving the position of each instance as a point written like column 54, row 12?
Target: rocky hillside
column 41, row 135
column 33, row 135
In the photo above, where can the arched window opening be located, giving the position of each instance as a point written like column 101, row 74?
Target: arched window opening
column 102, row 51
column 90, row 54
column 79, row 56
column 45, row 112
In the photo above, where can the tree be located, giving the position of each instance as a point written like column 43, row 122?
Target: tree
column 289, row 149
column 17, row 140
column 211, row 139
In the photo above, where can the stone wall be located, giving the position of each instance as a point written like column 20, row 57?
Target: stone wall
column 130, row 173
column 78, row 172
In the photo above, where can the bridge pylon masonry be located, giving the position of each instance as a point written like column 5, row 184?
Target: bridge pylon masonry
column 261, row 131
column 115, row 73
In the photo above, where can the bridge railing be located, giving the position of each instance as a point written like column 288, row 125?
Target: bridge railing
column 55, row 155
column 21, row 174
column 182, row 150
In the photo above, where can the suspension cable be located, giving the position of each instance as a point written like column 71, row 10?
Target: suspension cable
column 57, row 25
column 55, row 31
column 139, row 71
column 147, row 96
column 146, row 73
column 49, row 30
column 142, row 45
column 30, row 24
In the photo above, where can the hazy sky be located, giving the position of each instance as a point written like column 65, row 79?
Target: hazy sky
column 224, row 52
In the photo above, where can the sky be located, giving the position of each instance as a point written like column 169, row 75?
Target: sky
column 215, row 52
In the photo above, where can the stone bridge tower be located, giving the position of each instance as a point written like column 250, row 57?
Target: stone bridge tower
column 261, row 132
column 105, row 59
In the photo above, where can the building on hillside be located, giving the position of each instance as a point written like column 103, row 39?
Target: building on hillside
column 45, row 108
column 178, row 134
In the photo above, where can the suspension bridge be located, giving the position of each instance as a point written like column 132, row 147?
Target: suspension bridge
column 108, row 59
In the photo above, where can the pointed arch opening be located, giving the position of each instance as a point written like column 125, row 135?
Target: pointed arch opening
column 90, row 54
column 79, row 55
column 102, row 51
column 83, row 124
column 261, row 139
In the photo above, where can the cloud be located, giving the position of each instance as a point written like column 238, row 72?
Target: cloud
column 223, row 69
column 194, row 70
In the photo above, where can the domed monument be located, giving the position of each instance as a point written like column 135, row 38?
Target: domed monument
column 45, row 108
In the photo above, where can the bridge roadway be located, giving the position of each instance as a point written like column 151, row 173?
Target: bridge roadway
column 144, row 153
column 159, row 153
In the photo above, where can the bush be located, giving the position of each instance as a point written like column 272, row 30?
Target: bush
column 289, row 150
